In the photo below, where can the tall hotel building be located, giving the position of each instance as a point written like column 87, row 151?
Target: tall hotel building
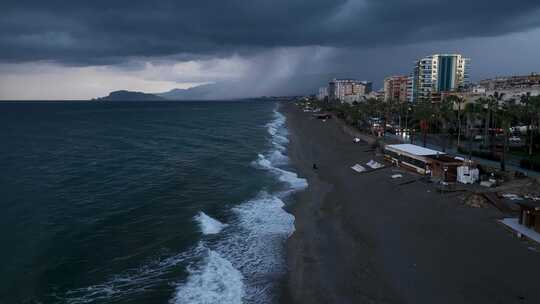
column 439, row 73
column 338, row 89
column 396, row 88
column 323, row 93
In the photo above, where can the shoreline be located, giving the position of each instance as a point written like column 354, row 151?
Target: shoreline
column 364, row 239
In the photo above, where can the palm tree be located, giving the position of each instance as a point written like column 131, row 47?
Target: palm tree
column 424, row 114
column 528, row 115
column 485, row 104
column 456, row 100
column 444, row 113
column 473, row 111
column 506, row 112
column 496, row 101
column 535, row 109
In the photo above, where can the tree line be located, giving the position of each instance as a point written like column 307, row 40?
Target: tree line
column 453, row 120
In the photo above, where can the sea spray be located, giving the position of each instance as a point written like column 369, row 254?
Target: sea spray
column 144, row 217
column 252, row 249
column 209, row 225
column 214, row 281
column 284, row 176
column 241, row 261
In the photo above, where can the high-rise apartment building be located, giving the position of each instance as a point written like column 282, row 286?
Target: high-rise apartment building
column 338, row 89
column 323, row 93
column 439, row 73
column 396, row 88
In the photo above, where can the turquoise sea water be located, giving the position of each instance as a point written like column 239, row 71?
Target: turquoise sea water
column 143, row 202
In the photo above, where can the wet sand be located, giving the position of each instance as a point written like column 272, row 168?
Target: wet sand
column 362, row 238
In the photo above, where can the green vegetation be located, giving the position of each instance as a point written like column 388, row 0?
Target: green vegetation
column 490, row 120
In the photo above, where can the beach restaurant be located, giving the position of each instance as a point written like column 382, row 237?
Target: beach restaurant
column 530, row 215
column 424, row 161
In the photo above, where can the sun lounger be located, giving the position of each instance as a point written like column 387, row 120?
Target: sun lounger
column 374, row 165
column 358, row 168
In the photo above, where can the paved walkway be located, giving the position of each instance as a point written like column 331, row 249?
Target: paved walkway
column 513, row 223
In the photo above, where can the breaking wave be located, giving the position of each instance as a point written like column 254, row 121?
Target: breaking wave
column 243, row 263
column 208, row 224
column 248, row 262
column 215, row 281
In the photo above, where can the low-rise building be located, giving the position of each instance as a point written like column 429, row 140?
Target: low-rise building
column 512, row 87
column 529, row 215
column 511, row 82
column 514, row 93
column 424, row 161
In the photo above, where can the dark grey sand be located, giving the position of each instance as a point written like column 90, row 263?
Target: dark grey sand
column 361, row 238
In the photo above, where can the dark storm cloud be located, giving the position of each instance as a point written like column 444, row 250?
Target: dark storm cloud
column 90, row 32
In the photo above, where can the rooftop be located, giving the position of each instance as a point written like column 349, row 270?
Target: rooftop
column 416, row 150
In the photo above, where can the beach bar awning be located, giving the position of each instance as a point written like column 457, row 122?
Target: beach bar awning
column 425, row 161
column 413, row 150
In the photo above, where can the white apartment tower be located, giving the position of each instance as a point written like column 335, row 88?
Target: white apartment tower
column 439, row 73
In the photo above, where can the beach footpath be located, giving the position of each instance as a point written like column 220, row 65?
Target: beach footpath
column 371, row 238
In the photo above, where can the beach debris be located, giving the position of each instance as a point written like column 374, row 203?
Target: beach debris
column 531, row 197
column 487, row 184
column 358, row 168
column 410, row 181
column 397, row 176
column 512, row 197
column 476, row 201
column 466, row 175
column 374, row 165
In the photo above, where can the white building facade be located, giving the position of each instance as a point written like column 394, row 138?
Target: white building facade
column 346, row 90
column 439, row 73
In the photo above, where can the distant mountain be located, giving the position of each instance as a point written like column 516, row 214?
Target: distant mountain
column 202, row 92
column 227, row 90
column 124, row 95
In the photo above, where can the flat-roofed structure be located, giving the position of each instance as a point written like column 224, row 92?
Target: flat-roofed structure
column 530, row 215
column 426, row 161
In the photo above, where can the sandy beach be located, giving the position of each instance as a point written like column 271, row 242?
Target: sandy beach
column 363, row 238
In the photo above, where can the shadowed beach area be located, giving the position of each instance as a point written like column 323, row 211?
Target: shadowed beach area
column 368, row 238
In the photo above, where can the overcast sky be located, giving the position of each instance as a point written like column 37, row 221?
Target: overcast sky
column 79, row 49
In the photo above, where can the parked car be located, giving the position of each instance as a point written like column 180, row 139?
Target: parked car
column 514, row 139
column 479, row 137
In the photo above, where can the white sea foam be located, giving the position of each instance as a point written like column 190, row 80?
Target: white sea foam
column 274, row 126
column 276, row 157
column 243, row 265
column 291, row 178
column 253, row 246
column 256, row 248
column 208, row 224
column 215, row 281
column 132, row 282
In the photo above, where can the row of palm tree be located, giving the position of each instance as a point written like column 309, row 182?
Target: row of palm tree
column 452, row 117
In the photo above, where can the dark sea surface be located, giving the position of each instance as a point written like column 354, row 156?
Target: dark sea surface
column 143, row 202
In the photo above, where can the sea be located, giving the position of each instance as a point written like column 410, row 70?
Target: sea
column 144, row 202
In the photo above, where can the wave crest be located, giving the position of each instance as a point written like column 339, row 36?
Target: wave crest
column 216, row 281
column 209, row 225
